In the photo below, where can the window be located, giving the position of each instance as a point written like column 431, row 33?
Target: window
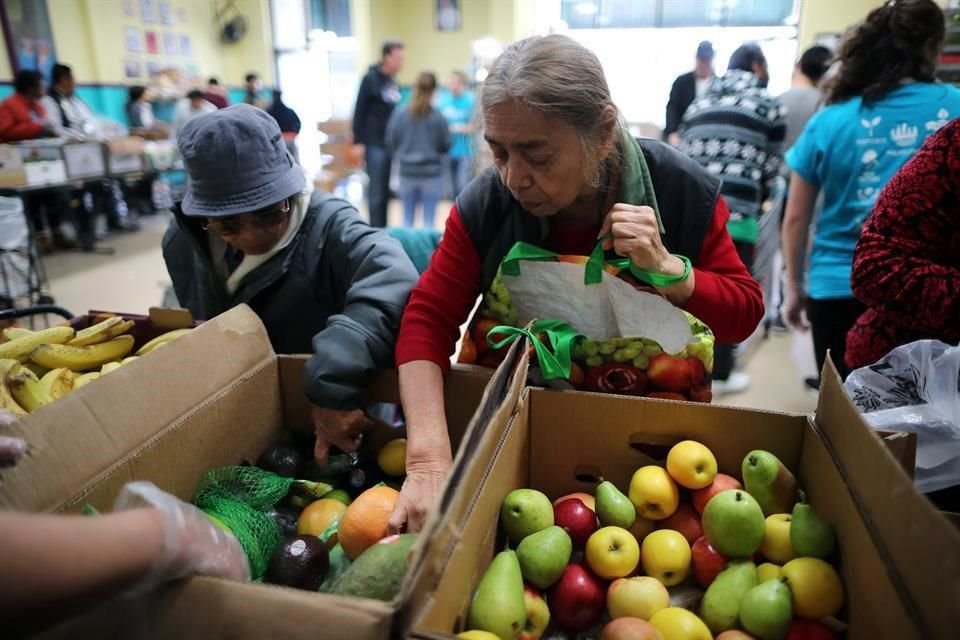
column 633, row 14
column 331, row 15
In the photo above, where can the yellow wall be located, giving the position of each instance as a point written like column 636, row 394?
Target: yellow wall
column 89, row 36
column 413, row 22
column 830, row 16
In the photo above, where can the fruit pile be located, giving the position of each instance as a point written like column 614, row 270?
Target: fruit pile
column 327, row 530
column 38, row 367
column 674, row 558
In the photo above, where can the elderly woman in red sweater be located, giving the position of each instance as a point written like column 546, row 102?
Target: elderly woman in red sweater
column 906, row 268
column 566, row 173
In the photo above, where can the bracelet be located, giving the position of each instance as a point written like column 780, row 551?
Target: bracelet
column 660, row 280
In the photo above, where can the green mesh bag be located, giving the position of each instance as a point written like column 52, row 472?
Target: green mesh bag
column 256, row 532
column 252, row 486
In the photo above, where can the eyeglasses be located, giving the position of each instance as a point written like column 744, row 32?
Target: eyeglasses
column 262, row 219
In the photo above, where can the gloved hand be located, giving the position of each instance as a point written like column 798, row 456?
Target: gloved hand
column 193, row 544
column 11, row 449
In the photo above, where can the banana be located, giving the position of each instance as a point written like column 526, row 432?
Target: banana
column 27, row 390
column 54, row 356
column 110, row 366
column 37, row 369
column 58, row 382
column 22, row 347
column 160, row 340
column 85, row 379
column 129, row 359
column 101, row 332
column 7, row 401
column 12, row 333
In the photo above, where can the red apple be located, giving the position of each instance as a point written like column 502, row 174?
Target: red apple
column 735, row 635
column 579, row 599
column 721, row 482
column 706, row 562
column 685, row 520
column 671, row 373
column 630, row 629
column 809, row 630
column 588, row 499
column 577, row 519
column 538, row 614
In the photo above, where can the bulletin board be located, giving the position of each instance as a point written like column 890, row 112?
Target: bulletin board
column 156, row 38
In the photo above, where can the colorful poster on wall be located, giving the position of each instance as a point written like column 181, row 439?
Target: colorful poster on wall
column 166, row 13
column 448, row 15
column 128, row 8
column 170, row 44
column 147, row 11
column 182, row 15
column 30, row 45
column 131, row 36
column 152, row 45
column 154, row 68
column 132, row 68
column 186, row 48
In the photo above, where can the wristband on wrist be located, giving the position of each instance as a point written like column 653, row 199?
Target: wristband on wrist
column 659, row 279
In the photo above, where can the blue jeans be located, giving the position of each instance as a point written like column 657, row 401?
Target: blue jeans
column 378, row 191
column 461, row 170
column 426, row 191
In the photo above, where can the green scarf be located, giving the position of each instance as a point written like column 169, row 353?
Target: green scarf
column 636, row 185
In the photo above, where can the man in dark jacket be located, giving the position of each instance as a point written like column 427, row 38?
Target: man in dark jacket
column 377, row 97
column 288, row 121
column 321, row 279
column 686, row 89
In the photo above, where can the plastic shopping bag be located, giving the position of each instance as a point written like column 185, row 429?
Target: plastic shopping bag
column 595, row 326
column 916, row 388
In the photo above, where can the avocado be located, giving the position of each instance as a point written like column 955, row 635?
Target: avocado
column 379, row 571
column 366, row 474
column 281, row 459
column 300, row 562
column 286, row 519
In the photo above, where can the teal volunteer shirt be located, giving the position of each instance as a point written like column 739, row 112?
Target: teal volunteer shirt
column 458, row 110
column 850, row 151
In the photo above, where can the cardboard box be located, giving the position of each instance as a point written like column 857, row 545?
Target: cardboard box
column 12, row 173
column 125, row 155
column 45, row 172
column 84, row 160
column 212, row 398
column 560, row 442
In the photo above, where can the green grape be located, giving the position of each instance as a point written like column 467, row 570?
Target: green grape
column 594, row 361
column 641, row 362
column 591, row 348
column 607, row 348
column 500, row 309
column 651, row 350
column 620, row 355
column 632, row 351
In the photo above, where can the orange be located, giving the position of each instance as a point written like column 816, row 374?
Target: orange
column 318, row 515
column 365, row 521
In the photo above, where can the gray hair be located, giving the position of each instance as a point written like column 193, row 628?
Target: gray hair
column 561, row 78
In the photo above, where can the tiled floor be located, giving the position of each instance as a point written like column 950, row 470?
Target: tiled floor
column 134, row 279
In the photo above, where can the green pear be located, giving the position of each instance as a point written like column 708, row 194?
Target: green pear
column 766, row 611
column 733, row 523
column 498, row 605
column 720, row 607
column 810, row 535
column 544, row 555
column 613, row 508
column 769, row 481
column 525, row 511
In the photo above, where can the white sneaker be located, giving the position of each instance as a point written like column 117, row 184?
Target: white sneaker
column 736, row 383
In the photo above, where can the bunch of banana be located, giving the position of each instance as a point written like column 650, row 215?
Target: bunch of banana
column 7, row 401
column 161, row 340
column 21, row 347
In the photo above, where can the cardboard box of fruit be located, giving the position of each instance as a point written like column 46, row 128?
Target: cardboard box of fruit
column 194, row 412
column 574, row 468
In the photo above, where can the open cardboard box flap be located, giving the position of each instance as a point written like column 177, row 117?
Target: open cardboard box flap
column 82, row 436
column 918, row 544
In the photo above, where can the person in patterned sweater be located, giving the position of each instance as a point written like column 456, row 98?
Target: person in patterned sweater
column 906, row 268
column 736, row 131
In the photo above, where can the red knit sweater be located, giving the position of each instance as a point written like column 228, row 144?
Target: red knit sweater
column 906, row 268
column 725, row 297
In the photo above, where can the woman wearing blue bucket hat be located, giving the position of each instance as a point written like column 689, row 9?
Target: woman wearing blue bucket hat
column 321, row 279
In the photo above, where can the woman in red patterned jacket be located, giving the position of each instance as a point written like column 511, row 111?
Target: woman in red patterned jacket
column 907, row 265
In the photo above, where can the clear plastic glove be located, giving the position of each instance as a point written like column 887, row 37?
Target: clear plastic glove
column 193, row 544
column 11, row 449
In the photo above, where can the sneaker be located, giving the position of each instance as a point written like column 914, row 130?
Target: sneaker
column 736, row 383
column 778, row 325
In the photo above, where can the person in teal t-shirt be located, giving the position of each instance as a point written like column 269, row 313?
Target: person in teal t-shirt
column 882, row 106
column 457, row 105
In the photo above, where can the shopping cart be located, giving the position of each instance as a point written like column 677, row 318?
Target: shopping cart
column 23, row 280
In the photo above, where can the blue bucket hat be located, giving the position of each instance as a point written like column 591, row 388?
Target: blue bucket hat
column 236, row 162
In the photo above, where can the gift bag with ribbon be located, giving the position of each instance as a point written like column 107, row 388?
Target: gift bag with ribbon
column 595, row 324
